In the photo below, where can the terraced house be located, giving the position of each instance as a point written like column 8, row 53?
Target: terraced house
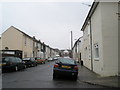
column 100, row 38
column 77, row 50
column 15, row 39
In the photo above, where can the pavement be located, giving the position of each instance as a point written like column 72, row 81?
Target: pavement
column 88, row 76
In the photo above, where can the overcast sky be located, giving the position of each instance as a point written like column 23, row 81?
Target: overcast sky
column 51, row 22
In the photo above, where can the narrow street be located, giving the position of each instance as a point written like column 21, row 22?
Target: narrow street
column 40, row 77
column 42, row 31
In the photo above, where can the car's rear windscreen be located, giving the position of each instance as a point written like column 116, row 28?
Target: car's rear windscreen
column 66, row 61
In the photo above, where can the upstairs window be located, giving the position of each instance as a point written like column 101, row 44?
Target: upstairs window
column 88, row 29
column 25, row 41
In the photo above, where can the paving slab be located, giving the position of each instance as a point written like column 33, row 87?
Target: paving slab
column 88, row 76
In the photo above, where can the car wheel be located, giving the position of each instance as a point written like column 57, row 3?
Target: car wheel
column 32, row 65
column 54, row 76
column 44, row 62
column 25, row 66
column 75, row 78
column 16, row 68
column 36, row 64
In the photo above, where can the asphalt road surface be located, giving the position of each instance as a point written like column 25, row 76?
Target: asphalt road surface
column 40, row 77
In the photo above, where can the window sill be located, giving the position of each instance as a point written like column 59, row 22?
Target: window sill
column 96, row 59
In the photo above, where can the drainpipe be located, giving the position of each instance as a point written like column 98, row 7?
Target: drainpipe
column 91, row 45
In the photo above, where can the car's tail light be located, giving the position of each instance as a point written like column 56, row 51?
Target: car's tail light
column 56, row 65
column 76, row 67
column 9, row 63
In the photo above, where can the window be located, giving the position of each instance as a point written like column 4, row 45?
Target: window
column 25, row 41
column 12, row 59
column 25, row 54
column 88, row 29
column 28, row 42
column 86, row 53
column 31, row 43
column 35, row 44
column 66, row 61
column 32, row 59
column 19, row 60
column 96, row 47
column 89, row 52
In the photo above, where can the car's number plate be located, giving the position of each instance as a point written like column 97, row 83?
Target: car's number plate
column 63, row 66
column 3, row 64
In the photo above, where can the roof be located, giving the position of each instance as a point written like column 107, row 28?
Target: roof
column 26, row 34
column 30, row 37
column 22, row 32
column 93, row 7
column 77, row 41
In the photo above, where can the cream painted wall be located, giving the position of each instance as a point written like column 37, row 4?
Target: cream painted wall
column 86, row 44
column 15, row 40
column 97, row 39
column 47, row 52
column 104, row 26
column 104, row 23
column 28, row 48
column 110, row 37
column 12, row 39
column 81, row 49
column 80, row 46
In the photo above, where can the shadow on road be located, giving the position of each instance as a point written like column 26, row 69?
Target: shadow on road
column 63, row 78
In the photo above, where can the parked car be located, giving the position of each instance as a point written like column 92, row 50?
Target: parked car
column 0, row 64
column 50, row 59
column 30, row 62
column 55, row 58
column 65, row 67
column 12, row 63
column 40, row 60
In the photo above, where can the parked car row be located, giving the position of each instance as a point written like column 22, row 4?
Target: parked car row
column 40, row 60
column 10, row 63
column 30, row 62
column 52, row 58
